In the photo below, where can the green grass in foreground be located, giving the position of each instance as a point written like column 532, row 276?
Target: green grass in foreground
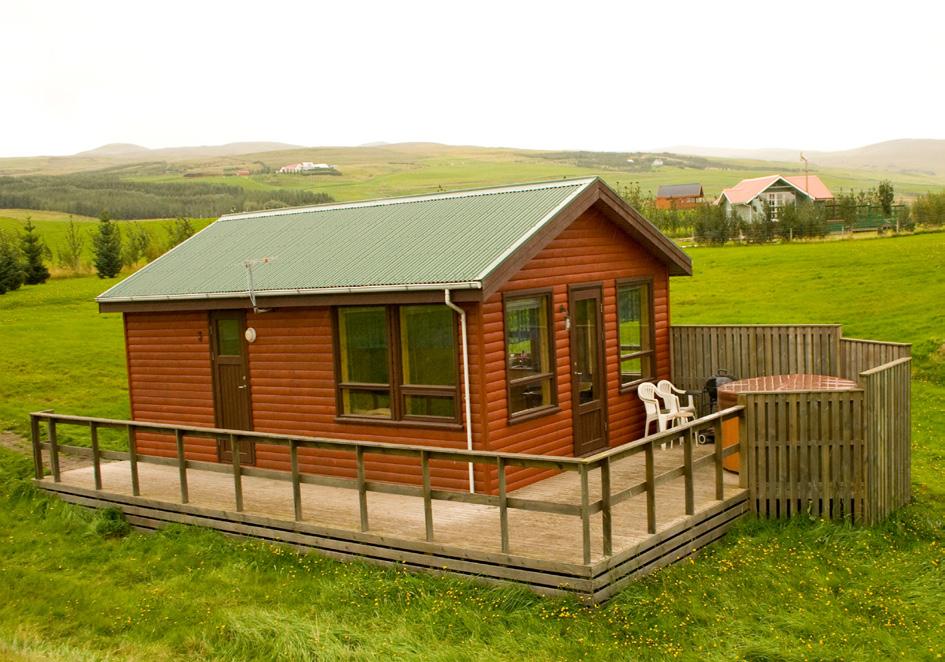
column 768, row 591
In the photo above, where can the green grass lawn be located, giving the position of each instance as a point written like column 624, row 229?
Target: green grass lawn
column 801, row 590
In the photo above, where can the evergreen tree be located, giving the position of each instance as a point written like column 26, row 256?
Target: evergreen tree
column 11, row 270
column 884, row 195
column 33, row 250
column 106, row 245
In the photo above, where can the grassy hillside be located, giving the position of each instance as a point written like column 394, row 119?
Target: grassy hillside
column 385, row 170
column 797, row 591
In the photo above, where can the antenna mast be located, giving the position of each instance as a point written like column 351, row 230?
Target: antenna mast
column 250, row 265
column 806, row 175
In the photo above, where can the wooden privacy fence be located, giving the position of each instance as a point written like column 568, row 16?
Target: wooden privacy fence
column 610, row 494
column 832, row 454
column 858, row 356
column 752, row 351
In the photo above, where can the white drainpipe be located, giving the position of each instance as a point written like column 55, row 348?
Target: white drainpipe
column 465, row 341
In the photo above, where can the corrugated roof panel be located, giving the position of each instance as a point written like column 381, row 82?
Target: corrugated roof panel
column 444, row 238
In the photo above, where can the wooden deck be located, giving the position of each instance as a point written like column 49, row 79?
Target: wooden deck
column 545, row 549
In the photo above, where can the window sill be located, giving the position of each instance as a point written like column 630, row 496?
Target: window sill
column 532, row 414
column 632, row 386
column 389, row 423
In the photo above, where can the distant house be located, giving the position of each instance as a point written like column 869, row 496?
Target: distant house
column 747, row 198
column 657, row 163
column 679, row 196
column 305, row 166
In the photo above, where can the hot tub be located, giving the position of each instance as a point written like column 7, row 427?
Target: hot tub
column 728, row 397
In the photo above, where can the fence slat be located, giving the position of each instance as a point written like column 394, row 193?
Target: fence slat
column 296, row 480
column 181, row 466
column 427, row 501
column 503, row 507
column 133, row 461
column 237, row 473
column 96, row 456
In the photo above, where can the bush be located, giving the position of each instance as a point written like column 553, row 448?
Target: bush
column 179, row 230
column 929, row 210
column 711, row 225
column 70, row 253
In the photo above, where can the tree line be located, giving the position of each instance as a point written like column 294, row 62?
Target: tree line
column 88, row 194
column 23, row 255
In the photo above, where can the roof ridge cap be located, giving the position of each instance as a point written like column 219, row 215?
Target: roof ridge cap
column 423, row 197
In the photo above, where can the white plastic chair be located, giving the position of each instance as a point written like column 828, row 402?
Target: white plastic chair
column 654, row 413
column 667, row 392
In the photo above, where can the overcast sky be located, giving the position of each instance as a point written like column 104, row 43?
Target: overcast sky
column 579, row 75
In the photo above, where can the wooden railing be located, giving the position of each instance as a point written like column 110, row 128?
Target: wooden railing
column 752, row 351
column 610, row 494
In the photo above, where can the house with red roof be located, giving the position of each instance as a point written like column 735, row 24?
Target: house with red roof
column 748, row 197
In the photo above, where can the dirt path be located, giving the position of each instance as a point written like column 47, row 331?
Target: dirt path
column 18, row 444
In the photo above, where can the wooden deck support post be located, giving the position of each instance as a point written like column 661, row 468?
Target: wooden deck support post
column 133, row 461
column 296, row 479
column 650, row 491
column 96, row 455
column 585, row 515
column 37, row 448
column 606, row 518
column 53, row 451
column 362, row 487
column 503, row 507
column 688, row 441
column 181, row 466
column 427, row 500
column 719, row 476
column 237, row 473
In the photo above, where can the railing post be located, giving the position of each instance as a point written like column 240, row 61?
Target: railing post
column 427, row 500
column 133, row 461
column 296, row 479
column 37, row 448
column 585, row 515
column 181, row 466
column 503, row 507
column 362, row 487
column 53, row 451
column 719, row 482
column 688, row 441
column 96, row 455
column 650, row 491
column 237, row 472
column 605, row 512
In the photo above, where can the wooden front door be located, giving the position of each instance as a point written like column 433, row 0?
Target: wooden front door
column 588, row 380
column 231, row 381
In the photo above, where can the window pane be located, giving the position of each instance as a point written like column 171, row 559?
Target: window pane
column 526, row 337
column 430, row 405
column 428, row 345
column 530, row 396
column 631, row 369
column 636, row 333
column 362, row 334
column 360, row 402
column 228, row 337
column 584, row 332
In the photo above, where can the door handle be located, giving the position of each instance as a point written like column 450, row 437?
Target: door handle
column 243, row 386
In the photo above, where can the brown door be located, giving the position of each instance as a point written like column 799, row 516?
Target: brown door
column 231, row 381
column 588, row 383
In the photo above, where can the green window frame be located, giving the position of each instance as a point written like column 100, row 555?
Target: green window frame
column 397, row 363
column 636, row 332
column 530, row 356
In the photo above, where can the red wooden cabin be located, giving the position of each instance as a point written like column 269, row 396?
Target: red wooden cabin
column 515, row 319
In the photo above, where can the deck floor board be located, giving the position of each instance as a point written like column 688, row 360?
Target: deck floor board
column 544, row 536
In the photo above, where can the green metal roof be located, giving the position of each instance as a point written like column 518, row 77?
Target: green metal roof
column 420, row 242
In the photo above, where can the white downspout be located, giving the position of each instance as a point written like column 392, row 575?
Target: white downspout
column 465, row 341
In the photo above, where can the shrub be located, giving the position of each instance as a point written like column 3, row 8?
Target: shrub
column 70, row 253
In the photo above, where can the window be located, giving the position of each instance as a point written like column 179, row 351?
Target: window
column 635, row 326
column 416, row 344
column 528, row 343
